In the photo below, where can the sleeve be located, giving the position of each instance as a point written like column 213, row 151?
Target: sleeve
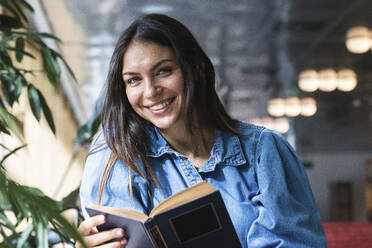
column 287, row 213
column 116, row 193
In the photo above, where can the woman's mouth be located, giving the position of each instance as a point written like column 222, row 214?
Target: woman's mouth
column 161, row 106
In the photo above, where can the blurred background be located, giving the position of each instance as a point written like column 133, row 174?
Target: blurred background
column 303, row 68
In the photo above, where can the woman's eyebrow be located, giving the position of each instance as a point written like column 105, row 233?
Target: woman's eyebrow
column 161, row 62
column 152, row 68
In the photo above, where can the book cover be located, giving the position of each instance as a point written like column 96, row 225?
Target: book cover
column 195, row 217
column 135, row 230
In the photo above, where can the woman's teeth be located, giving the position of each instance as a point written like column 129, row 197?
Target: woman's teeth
column 160, row 105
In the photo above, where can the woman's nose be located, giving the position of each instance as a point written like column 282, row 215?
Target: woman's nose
column 151, row 89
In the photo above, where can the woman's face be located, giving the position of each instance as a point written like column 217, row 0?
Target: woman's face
column 154, row 83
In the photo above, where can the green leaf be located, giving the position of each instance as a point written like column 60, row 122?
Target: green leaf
column 8, row 89
column 7, row 239
column 4, row 202
column 3, row 127
column 70, row 201
column 37, row 36
column 7, row 222
column 24, row 3
column 32, row 202
column 11, row 152
column 54, row 60
column 20, row 11
column 4, row 56
column 47, row 112
column 18, row 83
column 9, row 119
column 87, row 131
column 84, row 134
column 48, row 62
column 35, row 192
column 33, row 97
column 24, row 236
column 47, row 35
column 10, row 36
column 6, row 6
column 10, row 22
column 11, row 72
column 19, row 51
column 6, row 148
column 7, row 243
column 42, row 235
column 11, row 86
column 20, row 46
column 16, row 194
column 34, row 38
column 65, row 63
column 68, row 229
column 20, row 75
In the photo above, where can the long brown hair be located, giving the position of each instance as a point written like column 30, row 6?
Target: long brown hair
column 124, row 130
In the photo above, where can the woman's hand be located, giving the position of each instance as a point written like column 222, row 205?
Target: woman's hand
column 93, row 238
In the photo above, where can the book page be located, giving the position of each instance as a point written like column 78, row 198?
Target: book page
column 184, row 196
column 121, row 212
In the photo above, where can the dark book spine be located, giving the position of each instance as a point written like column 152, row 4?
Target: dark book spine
column 154, row 232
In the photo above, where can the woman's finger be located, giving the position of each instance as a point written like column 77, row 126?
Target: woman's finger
column 103, row 237
column 87, row 225
column 116, row 244
column 121, row 243
column 94, row 230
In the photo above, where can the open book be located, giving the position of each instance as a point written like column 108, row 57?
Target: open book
column 194, row 217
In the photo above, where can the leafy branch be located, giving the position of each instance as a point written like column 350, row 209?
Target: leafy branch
column 29, row 205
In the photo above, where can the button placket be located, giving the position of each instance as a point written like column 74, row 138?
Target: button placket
column 190, row 172
column 182, row 167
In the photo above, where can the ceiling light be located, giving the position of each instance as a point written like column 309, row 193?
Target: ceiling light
column 327, row 80
column 308, row 106
column 358, row 39
column 347, row 80
column 292, row 106
column 280, row 125
column 308, row 80
column 276, row 107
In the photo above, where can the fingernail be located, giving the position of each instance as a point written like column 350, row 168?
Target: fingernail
column 120, row 232
column 101, row 218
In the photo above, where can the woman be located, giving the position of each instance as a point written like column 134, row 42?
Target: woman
column 165, row 129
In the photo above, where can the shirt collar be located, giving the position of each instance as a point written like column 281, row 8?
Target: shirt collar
column 158, row 145
column 226, row 150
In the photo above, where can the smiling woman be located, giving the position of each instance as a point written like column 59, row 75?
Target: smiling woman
column 164, row 129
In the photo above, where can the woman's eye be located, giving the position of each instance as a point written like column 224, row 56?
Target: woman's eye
column 133, row 80
column 164, row 70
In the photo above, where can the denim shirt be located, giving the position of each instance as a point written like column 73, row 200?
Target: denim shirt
column 261, row 179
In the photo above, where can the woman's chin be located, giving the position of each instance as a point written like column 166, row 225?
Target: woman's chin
column 164, row 125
